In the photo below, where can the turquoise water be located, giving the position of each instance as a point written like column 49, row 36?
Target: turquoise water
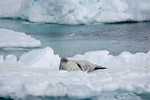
column 68, row 40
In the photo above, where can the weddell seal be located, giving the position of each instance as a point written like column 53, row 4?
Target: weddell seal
column 72, row 65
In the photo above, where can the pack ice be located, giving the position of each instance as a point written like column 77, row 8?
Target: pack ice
column 36, row 74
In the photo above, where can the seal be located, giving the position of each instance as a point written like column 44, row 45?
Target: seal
column 75, row 65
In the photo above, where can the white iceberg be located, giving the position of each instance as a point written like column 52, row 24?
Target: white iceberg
column 9, row 38
column 85, row 12
column 9, row 8
column 76, row 11
column 37, row 74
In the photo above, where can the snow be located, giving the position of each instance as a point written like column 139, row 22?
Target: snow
column 9, row 38
column 37, row 74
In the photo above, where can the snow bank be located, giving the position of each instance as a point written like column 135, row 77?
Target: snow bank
column 76, row 11
column 32, row 76
column 9, row 38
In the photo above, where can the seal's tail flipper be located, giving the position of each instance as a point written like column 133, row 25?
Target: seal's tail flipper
column 99, row 67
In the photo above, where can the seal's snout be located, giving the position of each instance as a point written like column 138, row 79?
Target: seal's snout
column 64, row 60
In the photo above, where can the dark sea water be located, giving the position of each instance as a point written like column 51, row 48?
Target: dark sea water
column 68, row 40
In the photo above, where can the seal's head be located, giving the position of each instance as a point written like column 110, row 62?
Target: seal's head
column 64, row 60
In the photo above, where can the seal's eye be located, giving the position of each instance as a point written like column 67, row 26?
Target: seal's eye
column 64, row 60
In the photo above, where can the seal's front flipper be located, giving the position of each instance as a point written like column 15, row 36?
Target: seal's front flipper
column 79, row 66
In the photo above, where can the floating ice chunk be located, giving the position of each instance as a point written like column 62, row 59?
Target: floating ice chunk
column 41, row 58
column 11, row 59
column 9, row 38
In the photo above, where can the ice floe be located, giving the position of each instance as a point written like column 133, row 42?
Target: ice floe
column 37, row 74
column 9, row 38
